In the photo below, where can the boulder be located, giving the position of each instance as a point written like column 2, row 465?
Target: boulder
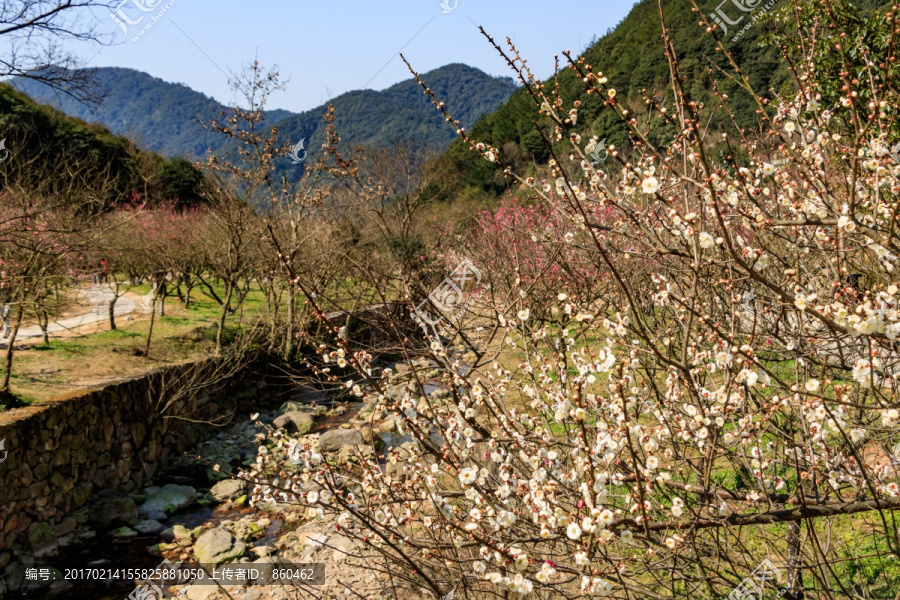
column 294, row 421
column 293, row 406
column 43, row 539
column 347, row 451
column 396, row 392
column 156, row 515
column 243, row 530
column 108, row 507
column 335, row 439
column 182, row 533
column 310, row 541
column 81, row 493
column 405, row 450
column 401, row 368
column 343, row 547
column 228, row 489
column 305, row 398
column 123, row 532
column 200, row 592
column 394, row 470
column 65, row 527
column 149, row 526
column 217, row 546
column 366, row 431
column 169, row 498
column 159, row 549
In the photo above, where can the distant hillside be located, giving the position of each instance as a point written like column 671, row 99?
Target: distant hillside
column 54, row 153
column 155, row 114
column 163, row 116
column 402, row 112
column 632, row 57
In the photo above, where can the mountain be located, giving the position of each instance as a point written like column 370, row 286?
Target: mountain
column 52, row 153
column 164, row 117
column 632, row 57
column 155, row 114
column 403, row 112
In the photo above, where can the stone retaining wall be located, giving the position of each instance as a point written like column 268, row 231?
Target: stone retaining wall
column 115, row 438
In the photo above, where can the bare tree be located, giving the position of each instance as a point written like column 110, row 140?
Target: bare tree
column 291, row 207
column 232, row 229
column 37, row 236
column 35, row 33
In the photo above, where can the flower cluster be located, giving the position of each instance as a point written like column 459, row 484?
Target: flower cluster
column 616, row 437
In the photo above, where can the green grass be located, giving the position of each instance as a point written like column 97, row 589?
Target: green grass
column 64, row 366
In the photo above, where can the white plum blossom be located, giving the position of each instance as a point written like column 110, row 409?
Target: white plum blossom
column 468, row 475
column 650, row 185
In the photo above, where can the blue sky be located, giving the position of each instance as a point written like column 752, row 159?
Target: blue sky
column 327, row 48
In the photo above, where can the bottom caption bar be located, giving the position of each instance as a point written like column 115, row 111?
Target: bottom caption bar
column 168, row 574
column 240, row 573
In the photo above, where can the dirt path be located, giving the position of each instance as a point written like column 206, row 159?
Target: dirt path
column 99, row 297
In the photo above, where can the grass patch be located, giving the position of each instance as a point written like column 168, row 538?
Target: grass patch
column 97, row 355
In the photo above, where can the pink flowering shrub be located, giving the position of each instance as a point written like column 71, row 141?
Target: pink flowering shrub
column 151, row 242
column 533, row 248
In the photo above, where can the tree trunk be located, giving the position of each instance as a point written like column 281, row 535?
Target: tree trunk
column 188, row 286
column 794, row 582
column 112, row 309
column 210, row 291
column 289, row 334
column 162, row 298
column 291, row 309
column 44, row 320
column 152, row 320
column 273, row 304
column 4, row 386
column 228, row 287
